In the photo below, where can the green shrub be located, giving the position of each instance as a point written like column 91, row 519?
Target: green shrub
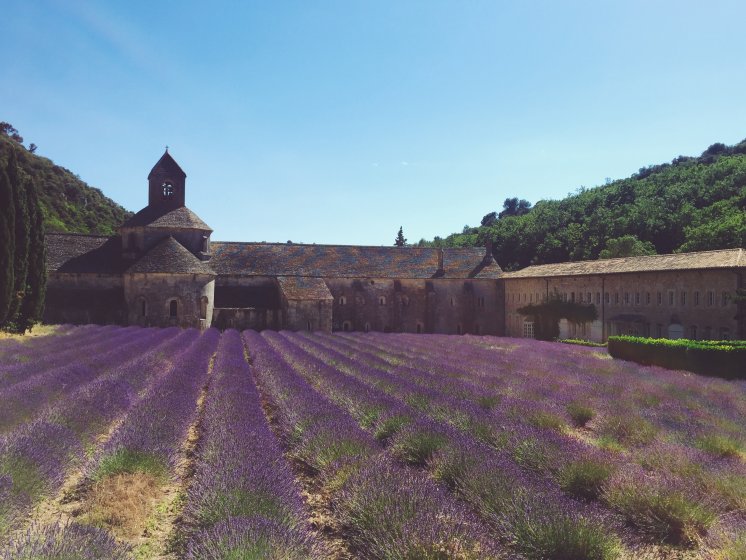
column 416, row 446
column 390, row 426
column 722, row 446
column 580, row 414
column 628, row 429
column 584, row 478
column 124, row 461
column 663, row 513
column 548, row 420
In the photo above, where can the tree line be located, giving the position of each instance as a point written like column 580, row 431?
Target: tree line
column 690, row 204
column 22, row 253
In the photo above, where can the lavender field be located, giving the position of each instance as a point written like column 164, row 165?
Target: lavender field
column 127, row 443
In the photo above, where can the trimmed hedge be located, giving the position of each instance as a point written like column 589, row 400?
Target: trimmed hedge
column 722, row 358
column 581, row 342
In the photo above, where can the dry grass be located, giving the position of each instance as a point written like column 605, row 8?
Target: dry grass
column 123, row 503
column 38, row 330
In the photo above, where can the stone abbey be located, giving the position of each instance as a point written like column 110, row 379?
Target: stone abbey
column 163, row 269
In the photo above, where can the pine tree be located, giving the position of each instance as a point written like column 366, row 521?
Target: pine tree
column 7, row 245
column 22, row 225
column 32, row 306
column 400, row 241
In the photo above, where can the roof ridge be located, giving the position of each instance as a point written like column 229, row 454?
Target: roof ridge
column 406, row 247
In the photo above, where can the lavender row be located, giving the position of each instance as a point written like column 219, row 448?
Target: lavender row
column 669, row 475
column 387, row 511
column 16, row 350
column 36, row 459
column 150, row 438
column 23, row 401
column 243, row 497
column 61, row 351
column 418, row 440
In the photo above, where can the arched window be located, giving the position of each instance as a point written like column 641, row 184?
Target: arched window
column 168, row 190
column 346, row 326
column 173, row 308
column 382, row 300
column 143, row 307
column 342, row 300
column 419, row 328
column 308, row 326
column 367, row 327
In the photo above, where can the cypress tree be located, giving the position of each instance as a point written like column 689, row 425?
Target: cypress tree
column 22, row 230
column 32, row 305
column 7, row 245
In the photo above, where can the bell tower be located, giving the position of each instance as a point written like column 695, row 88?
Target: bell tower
column 166, row 183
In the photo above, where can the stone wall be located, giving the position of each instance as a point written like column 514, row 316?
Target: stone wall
column 84, row 298
column 696, row 304
column 307, row 315
column 427, row 306
column 149, row 298
column 246, row 318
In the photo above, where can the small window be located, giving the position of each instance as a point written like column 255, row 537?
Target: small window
column 342, row 300
column 683, row 299
column 696, row 298
column 647, row 298
column 528, row 329
column 205, row 244
column 660, row 298
column 671, row 298
column 168, row 190
column 606, row 297
column 616, row 298
column 419, row 328
column 382, row 300
column 589, row 297
column 598, row 298
column 453, row 300
column 572, row 297
column 367, row 327
column 308, row 326
column 710, row 298
column 637, row 298
column 725, row 298
column 346, row 326
column 143, row 308
column 173, row 308
column 626, row 298
column 659, row 331
column 405, row 301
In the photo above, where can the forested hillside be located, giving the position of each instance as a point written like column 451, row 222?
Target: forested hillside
column 690, row 204
column 68, row 203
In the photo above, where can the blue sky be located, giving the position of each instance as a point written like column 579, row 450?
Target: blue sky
column 337, row 122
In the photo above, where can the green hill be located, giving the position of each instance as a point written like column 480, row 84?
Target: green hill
column 690, row 204
column 68, row 203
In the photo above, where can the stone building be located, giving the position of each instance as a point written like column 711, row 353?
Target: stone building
column 163, row 269
column 686, row 295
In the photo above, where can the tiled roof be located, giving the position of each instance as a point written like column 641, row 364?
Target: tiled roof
column 78, row 253
column 170, row 256
column 167, row 164
column 348, row 261
column 727, row 258
column 155, row 217
column 302, row 287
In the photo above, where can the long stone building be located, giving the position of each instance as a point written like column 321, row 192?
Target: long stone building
column 163, row 269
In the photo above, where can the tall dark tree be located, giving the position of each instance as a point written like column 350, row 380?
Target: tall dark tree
column 515, row 207
column 400, row 240
column 22, row 225
column 7, row 244
column 32, row 305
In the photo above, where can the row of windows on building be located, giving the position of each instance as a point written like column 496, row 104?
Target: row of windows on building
column 672, row 331
column 173, row 307
column 709, row 298
column 419, row 328
column 359, row 300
